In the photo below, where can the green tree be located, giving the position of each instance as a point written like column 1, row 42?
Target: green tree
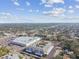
column 3, row 51
column 58, row 57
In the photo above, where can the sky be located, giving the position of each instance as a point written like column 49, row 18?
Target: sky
column 39, row 11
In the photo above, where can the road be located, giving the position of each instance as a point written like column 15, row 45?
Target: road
column 51, row 54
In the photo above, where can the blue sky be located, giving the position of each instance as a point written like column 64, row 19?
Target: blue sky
column 39, row 11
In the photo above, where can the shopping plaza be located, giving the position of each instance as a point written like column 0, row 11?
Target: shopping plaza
column 34, row 46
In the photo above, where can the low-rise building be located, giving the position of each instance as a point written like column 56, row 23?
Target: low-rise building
column 25, row 41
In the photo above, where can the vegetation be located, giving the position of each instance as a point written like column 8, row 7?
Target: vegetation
column 3, row 51
column 58, row 57
column 71, row 45
column 21, row 57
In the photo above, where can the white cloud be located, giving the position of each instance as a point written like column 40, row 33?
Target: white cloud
column 27, row 3
column 5, row 13
column 6, row 18
column 71, row 11
column 38, row 19
column 37, row 10
column 48, row 5
column 16, row 3
column 70, row 7
column 43, row 1
column 58, row 11
column 30, row 10
column 55, row 12
column 47, row 12
column 77, row 6
column 52, row 1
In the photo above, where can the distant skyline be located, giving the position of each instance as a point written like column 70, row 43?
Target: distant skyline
column 39, row 11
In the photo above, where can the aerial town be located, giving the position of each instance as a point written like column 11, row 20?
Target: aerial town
column 39, row 41
column 39, row 29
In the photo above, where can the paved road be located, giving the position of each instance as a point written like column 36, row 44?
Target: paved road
column 51, row 54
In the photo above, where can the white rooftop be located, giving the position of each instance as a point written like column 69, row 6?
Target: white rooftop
column 26, row 40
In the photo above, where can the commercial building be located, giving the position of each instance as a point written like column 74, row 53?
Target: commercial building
column 33, row 51
column 34, row 46
column 25, row 41
column 40, row 49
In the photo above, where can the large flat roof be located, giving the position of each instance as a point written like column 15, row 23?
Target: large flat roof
column 26, row 40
